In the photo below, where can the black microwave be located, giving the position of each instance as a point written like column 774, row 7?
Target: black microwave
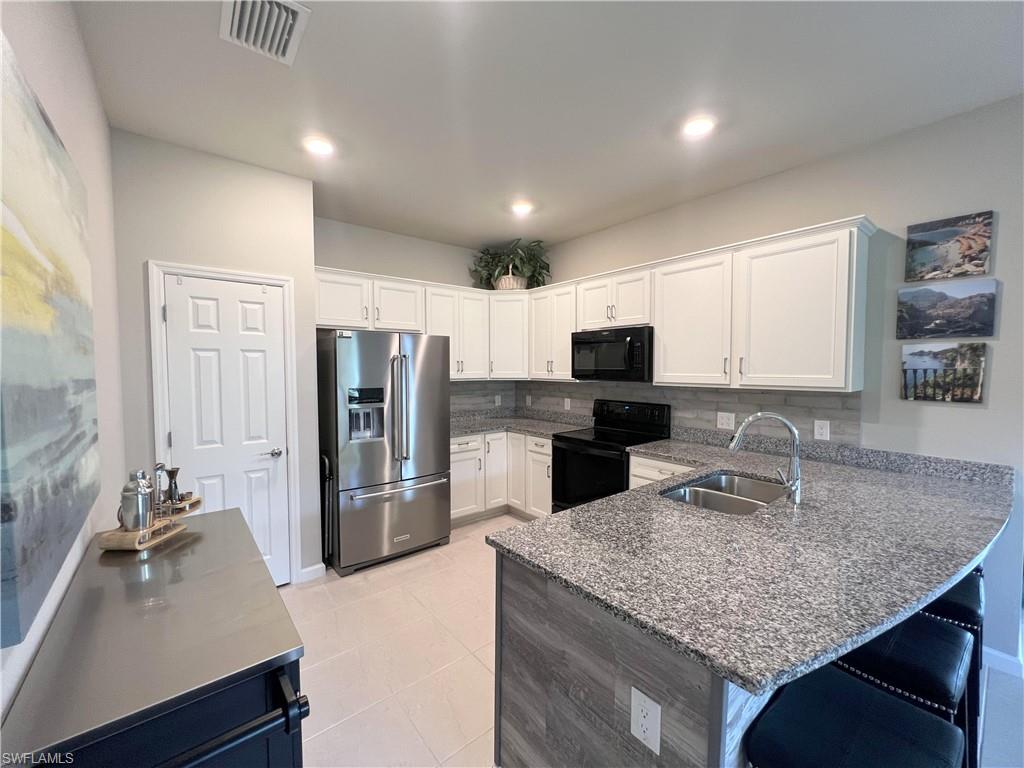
column 615, row 354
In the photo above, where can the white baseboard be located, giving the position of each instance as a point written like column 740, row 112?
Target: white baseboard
column 310, row 573
column 1003, row 662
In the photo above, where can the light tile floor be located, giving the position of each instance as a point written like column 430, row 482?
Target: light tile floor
column 399, row 662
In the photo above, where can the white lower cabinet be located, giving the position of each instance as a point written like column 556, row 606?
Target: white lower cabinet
column 517, row 471
column 467, row 478
column 643, row 471
column 538, row 476
column 496, row 469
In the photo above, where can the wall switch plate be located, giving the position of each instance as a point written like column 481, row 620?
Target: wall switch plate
column 497, row 399
column 821, row 429
column 645, row 719
column 726, row 420
column 568, row 403
column 529, row 400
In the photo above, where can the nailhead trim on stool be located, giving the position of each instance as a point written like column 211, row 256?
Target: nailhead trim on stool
column 894, row 689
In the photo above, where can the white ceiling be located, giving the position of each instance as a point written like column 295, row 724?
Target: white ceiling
column 444, row 112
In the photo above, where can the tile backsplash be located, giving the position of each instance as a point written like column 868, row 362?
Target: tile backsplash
column 698, row 407
column 476, row 398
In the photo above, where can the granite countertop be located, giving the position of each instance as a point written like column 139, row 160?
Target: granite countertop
column 461, row 427
column 765, row 598
column 139, row 633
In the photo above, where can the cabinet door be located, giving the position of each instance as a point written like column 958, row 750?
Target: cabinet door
column 541, row 305
column 510, row 346
column 790, row 300
column 496, row 469
column 443, row 320
column 594, row 304
column 538, row 483
column 467, row 481
column 631, row 298
column 693, row 320
column 517, row 471
column 562, row 324
column 398, row 306
column 474, row 325
column 342, row 301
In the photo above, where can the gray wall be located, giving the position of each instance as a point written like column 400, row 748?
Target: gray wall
column 178, row 205
column 970, row 162
column 49, row 49
column 350, row 246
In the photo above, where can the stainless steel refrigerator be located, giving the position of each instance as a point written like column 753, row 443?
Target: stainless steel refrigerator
column 384, row 423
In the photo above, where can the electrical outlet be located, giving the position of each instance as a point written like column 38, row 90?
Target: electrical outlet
column 726, row 420
column 568, row 403
column 497, row 399
column 529, row 400
column 645, row 719
column 821, row 429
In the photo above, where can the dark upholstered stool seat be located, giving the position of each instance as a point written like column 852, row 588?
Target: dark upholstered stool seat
column 963, row 604
column 922, row 659
column 829, row 718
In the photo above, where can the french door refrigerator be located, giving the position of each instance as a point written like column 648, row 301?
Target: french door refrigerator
column 384, row 448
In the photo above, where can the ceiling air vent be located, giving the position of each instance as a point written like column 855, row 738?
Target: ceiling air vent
column 270, row 27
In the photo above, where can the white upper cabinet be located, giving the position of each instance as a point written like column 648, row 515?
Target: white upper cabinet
column 510, row 345
column 398, row 306
column 798, row 312
column 552, row 321
column 462, row 316
column 693, row 320
column 616, row 300
column 342, row 300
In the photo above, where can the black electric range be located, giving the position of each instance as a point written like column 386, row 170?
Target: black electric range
column 592, row 463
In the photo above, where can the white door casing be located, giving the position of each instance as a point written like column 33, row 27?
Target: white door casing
column 225, row 354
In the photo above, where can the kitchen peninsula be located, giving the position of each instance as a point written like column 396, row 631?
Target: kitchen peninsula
column 707, row 613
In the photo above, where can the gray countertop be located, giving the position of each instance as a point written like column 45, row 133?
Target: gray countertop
column 460, row 427
column 138, row 632
column 766, row 598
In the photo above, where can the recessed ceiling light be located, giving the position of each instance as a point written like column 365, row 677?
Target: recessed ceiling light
column 522, row 208
column 698, row 127
column 318, row 145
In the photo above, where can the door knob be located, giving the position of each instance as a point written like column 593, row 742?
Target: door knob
column 273, row 452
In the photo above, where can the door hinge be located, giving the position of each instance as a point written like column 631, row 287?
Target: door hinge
column 170, row 443
column 163, row 312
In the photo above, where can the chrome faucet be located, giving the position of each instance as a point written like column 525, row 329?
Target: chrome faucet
column 792, row 482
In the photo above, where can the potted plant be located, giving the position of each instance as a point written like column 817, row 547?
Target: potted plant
column 511, row 266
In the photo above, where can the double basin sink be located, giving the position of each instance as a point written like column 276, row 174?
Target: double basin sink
column 732, row 494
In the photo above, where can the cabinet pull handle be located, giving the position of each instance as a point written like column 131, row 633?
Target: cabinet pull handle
column 366, row 312
column 608, row 311
column 488, row 446
column 491, row 369
column 377, row 312
column 549, row 470
column 465, row 443
column 741, row 365
column 613, row 311
column 725, row 366
column 479, row 464
column 664, row 472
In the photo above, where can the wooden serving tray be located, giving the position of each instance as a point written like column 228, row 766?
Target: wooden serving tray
column 159, row 532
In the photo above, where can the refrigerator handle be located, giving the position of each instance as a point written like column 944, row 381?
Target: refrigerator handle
column 327, row 504
column 405, row 406
column 396, row 408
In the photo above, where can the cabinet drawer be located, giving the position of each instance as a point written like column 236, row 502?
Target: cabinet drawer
column 655, row 469
column 466, row 443
column 540, row 445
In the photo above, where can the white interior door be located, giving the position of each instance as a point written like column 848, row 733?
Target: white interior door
column 226, row 363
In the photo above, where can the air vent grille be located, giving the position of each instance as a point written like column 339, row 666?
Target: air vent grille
column 270, row 27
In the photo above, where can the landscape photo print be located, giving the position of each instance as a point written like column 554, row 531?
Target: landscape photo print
column 947, row 310
column 955, row 247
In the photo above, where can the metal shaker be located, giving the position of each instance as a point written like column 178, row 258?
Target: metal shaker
column 136, row 510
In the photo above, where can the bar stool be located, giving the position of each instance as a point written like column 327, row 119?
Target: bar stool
column 829, row 718
column 964, row 606
column 921, row 660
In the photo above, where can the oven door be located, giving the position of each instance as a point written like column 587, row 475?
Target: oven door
column 617, row 354
column 584, row 473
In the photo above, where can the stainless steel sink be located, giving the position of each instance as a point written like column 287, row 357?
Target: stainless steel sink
column 714, row 500
column 734, row 485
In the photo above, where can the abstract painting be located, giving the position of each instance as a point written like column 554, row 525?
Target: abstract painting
column 955, row 247
column 49, row 454
column 949, row 372
column 954, row 308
